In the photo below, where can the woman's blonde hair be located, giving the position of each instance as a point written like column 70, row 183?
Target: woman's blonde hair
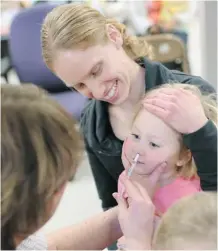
column 80, row 26
column 40, row 151
column 209, row 105
column 189, row 223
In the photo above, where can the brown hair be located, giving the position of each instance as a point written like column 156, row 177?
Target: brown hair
column 80, row 26
column 41, row 149
column 209, row 105
column 191, row 221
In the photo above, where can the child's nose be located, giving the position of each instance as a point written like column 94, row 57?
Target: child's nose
column 139, row 150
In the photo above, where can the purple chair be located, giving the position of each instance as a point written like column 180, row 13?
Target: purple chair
column 26, row 58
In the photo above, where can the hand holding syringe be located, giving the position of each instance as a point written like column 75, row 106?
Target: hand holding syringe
column 130, row 170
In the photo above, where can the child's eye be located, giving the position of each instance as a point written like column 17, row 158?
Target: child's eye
column 152, row 144
column 135, row 136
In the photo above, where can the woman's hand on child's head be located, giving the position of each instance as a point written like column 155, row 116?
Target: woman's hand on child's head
column 136, row 216
column 179, row 108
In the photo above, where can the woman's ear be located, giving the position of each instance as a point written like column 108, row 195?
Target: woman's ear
column 184, row 158
column 114, row 35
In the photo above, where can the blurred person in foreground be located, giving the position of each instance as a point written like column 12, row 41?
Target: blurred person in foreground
column 190, row 224
column 41, row 150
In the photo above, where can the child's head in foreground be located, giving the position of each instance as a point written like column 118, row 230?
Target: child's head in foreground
column 190, row 224
column 157, row 142
column 41, row 149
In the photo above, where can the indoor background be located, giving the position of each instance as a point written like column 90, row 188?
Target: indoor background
column 194, row 23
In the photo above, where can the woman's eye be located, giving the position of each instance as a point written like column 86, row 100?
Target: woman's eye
column 80, row 86
column 97, row 71
column 135, row 136
column 94, row 74
column 152, row 144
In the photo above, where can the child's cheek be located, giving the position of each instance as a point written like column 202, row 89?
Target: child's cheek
column 126, row 152
column 171, row 159
column 126, row 144
column 161, row 155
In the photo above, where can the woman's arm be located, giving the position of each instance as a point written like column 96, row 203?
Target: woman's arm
column 93, row 234
column 203, row 145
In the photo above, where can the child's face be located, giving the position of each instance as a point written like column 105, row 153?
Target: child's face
column 155, row 142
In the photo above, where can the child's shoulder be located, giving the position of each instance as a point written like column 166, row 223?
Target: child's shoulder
column 192, row 184
column 179, row 188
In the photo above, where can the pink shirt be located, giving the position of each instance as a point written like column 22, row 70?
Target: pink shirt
column 166, row 196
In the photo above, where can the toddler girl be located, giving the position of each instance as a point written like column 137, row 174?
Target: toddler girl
column 156, row 142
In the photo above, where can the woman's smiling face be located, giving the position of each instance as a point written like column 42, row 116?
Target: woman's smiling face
column 155, row 142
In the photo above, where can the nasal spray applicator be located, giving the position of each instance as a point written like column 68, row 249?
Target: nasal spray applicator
column 129, row 173
column 134, row 163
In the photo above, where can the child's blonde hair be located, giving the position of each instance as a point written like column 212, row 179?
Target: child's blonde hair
column 189, row 222
column 209, row 105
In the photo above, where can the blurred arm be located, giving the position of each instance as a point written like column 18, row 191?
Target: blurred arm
column 95, row 233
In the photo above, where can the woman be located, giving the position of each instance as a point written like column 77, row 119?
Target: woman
column 99, row 59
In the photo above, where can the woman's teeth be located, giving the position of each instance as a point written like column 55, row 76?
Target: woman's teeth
column 112, row 91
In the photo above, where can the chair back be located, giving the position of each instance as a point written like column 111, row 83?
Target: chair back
column 170, row 51
column 26, row 52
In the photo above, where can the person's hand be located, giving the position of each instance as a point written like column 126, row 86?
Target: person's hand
column 149, row 181
column 179, row 108
column 136, row 217
column 121, row 243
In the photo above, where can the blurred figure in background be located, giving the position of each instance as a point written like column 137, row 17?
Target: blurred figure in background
column 171, row 14
column 131, row 13
column 171, row 17
column 8, row 10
